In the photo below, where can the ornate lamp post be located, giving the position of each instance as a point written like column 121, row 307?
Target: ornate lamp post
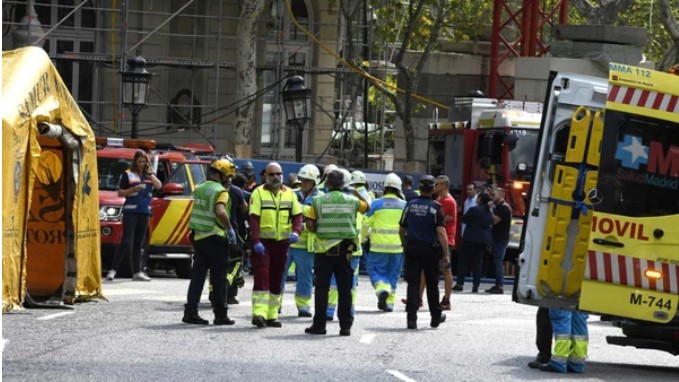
column 297, row 105
column 135, row 88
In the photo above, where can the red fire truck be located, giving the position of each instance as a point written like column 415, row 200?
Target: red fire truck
column 180, row 172
column 490, row 143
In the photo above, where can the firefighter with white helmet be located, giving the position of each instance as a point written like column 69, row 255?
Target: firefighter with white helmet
column 386, row 250
column 302, row 252
column 329, row 168
column 359, row 181
column 356, row 256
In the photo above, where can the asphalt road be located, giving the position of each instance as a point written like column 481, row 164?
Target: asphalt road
column 137, row 335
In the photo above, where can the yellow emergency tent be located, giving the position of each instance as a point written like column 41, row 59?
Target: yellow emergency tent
column 50, row 215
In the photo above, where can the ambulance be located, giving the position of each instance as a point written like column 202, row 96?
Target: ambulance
column 180, row 172
column 602, row 229
column 490, row 143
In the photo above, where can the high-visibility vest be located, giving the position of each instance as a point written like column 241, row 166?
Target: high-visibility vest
column 305, row 236
column 203, row 220
column 275, row 212
column 335, row 219
column 139, row 201
column 383, row 219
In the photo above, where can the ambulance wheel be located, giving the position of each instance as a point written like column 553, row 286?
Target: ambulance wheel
column 183, row 268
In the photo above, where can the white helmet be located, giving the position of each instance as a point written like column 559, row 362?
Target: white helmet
column 328, row 168
column 310, row 172
column 347, row 176
column 358, row 177
column 392, row 180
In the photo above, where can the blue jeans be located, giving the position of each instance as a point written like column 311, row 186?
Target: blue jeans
column 499, row 248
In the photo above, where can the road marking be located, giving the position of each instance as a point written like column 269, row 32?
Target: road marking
column 368, row 338
column 55, row 315
column 400, row 376
column 4, row 342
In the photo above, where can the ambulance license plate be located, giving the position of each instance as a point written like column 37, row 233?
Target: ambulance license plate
column 641, row 299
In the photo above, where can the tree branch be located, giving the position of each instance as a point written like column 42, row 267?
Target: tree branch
column 668, row 20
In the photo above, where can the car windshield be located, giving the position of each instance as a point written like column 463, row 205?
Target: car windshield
column 110, row 170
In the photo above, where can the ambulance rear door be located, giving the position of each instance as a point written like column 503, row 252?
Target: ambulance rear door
column 556, row 232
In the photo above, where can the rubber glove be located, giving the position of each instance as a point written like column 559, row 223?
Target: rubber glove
column 232, row 236
column 294, row 237
column 259, row 248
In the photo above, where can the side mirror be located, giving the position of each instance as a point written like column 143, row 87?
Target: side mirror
column 172, row 189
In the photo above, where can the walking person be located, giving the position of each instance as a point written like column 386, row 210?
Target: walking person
column 136, row 186
column 449, row 208
column 423, row 236
column 332, row 217
column 211, row 233
column 275, row 223
column 502, row 222
column 475, row 240
column 302, row 252
column 386, row 252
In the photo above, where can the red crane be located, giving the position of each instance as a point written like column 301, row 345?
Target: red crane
column 530, row 23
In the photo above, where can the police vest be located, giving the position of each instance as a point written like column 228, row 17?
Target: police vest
column 275, row 212
column 203, row 220
column 384, row 218
column 335, row 219
column 306, row 238
column 138, row 202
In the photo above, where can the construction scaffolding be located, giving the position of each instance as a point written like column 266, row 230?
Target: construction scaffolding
column 190, row 48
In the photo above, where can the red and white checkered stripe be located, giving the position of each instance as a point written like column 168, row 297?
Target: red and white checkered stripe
column 627, row 270
column 644, row 98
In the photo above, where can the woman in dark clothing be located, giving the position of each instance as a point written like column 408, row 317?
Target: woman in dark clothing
column 136, row 186
column 475, row 240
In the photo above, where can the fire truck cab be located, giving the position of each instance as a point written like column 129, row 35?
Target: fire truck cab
column 490, row 143
column 602, row 232
column 180, row 172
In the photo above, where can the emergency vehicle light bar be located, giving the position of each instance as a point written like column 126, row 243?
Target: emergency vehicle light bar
column 145, row 144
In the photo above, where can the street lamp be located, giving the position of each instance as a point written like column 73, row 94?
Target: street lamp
column 135, row 88
column 297, row 105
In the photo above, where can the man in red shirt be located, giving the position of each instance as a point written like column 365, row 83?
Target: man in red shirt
column 449, row 207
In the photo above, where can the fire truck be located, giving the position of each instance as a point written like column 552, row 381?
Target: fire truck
column 602, row 233
column 490, row 143
column 180, row 171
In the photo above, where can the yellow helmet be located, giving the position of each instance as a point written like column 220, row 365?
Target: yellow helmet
column 224, row 166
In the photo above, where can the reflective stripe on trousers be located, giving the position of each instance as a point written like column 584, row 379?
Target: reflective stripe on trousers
column 570, row 340
column 384, row 270
column 333, row 296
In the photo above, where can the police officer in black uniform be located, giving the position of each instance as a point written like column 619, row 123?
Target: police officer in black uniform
column 423, row 235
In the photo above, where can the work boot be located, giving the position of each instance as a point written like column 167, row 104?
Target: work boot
column 551, row 368
column 232, row 300
column 382, row 300
column 194, row 319
column 223, row 320
column 495, row 290
column 273, row 323
column 475, row 290
column 412, row 321
column 258, row 321
column 345, row 332
column 303, row 314
column 458, row 288
column 537, row 362
column 435, row 321
column 313, row 329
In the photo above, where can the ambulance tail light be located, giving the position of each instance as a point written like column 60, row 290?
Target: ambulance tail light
column 518, row 185
column 653, row 274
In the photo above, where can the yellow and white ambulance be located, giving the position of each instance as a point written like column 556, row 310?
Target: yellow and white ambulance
column 602, row 228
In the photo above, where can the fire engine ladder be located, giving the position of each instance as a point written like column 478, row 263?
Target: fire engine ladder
column 563, row 258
